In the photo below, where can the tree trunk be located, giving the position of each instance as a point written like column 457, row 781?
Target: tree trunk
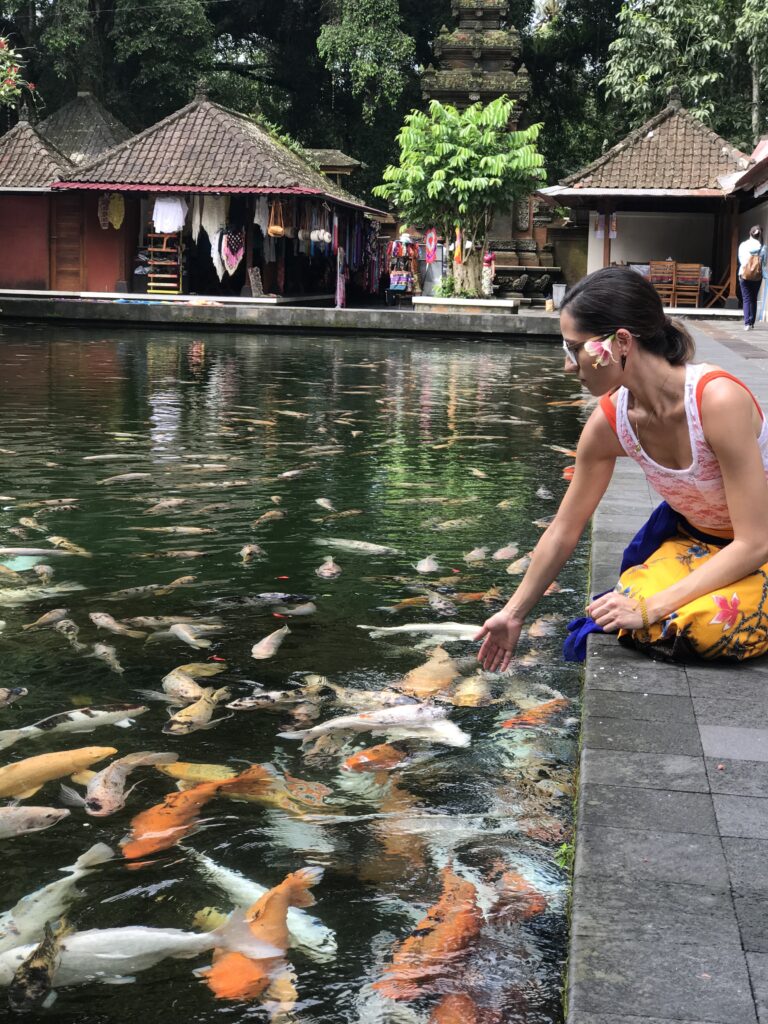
column 468, row 275
column 756, row 111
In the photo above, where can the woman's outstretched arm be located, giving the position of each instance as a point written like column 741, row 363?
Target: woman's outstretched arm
column 595, row 460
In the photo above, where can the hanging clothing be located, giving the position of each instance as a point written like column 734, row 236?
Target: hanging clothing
column 214, row 216
column 103, row 211
column 197, row 215
column 261, row 213
column 169, row 214
column 270, row 249
column 116, row 210
column 218, row 262
column 341, row 281
column 232, row 248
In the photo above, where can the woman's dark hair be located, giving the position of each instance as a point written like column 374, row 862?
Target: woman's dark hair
column 615, row 297
column 756, row 232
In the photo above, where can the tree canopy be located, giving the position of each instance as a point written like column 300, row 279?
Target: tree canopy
column 344, row 73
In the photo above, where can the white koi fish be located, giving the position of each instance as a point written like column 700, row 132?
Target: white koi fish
column 77, row 720
column 25, row 921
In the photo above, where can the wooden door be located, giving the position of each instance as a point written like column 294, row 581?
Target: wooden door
column 67, row 242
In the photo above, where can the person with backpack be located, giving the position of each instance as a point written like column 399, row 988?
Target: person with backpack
column 752, row 256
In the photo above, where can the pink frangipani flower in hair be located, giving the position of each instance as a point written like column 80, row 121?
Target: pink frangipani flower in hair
column 600, row 349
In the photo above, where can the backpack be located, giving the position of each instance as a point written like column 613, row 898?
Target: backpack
column 752, row 269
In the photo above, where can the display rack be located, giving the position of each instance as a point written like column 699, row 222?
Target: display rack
column 165, row 271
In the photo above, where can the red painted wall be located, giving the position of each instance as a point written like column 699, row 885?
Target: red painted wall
column 105, row 250
column 24, row 240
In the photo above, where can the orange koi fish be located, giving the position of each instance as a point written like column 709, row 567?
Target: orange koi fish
column 446, row 930
column 382, row 757
column 539, row 715
column 518, row 899
column 459, row 1008
column 284, row 791
column 568, row 471
column 235, row 976
column 166, row 824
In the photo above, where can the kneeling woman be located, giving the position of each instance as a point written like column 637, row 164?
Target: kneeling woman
column 693, row 582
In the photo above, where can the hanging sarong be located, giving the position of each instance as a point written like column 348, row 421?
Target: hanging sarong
column 197, row 214
column 232, row 249
column 214, row 216
column 116, row 210
column 103, row 211
column 218, row 262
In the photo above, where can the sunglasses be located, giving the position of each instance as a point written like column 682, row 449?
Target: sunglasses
column 572, row 351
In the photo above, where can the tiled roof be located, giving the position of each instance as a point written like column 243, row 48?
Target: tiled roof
column 83, row 129
column 331, row 159
column 28, row 161
column 206, row 146
column 671, row 151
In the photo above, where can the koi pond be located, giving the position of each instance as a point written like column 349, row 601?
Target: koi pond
column 183, row 493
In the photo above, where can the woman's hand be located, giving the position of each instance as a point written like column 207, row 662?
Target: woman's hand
column 499, row 634
column 615, row 611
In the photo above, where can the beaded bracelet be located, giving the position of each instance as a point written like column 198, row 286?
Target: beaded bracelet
column 644, row 614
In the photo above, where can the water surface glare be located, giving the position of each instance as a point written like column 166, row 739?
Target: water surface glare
column 420, row 442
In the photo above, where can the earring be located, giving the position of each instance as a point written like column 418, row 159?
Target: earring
column 623, row 360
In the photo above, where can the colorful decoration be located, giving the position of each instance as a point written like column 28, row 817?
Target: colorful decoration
column 430, row 245
column 458, row 249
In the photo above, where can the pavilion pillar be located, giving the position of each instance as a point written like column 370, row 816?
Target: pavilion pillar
column 733, row 290
column 607, row 236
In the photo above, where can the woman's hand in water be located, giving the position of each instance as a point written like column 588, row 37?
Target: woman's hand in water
column 499, row 634
column 615, row 611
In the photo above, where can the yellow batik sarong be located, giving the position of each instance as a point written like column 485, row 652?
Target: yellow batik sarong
column 730, row 623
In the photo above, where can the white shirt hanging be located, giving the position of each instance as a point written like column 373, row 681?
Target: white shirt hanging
column 169, row 214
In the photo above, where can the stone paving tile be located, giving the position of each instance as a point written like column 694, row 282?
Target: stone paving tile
column 647, row 771
column 624, row 807
column 640, row 707
column 744, row 714
column 738, row 682
column 729, row 741
column 577, row 1017
column 758, row 972
column 659, row 979
column 627, row 909
column 743, row 816
column 752, row 915
column 737, row 778
column 661, row 856
column 651, row 737
column 747, row 861
column 616, row 668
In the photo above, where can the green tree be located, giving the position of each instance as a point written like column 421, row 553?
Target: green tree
column 459, row 167
column 713, row 54
column 163, row 52
column 364, row 48
column 752, row 30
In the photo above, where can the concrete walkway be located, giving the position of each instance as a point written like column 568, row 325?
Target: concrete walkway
column 670, row 900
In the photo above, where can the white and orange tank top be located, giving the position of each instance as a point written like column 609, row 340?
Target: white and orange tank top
column 698, row 492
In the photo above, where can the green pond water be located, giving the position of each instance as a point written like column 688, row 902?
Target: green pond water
column 425, row 439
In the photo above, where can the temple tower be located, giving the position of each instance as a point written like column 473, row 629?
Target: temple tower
column 479, row 59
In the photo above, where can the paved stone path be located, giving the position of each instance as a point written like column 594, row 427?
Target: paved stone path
column 670, row 900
